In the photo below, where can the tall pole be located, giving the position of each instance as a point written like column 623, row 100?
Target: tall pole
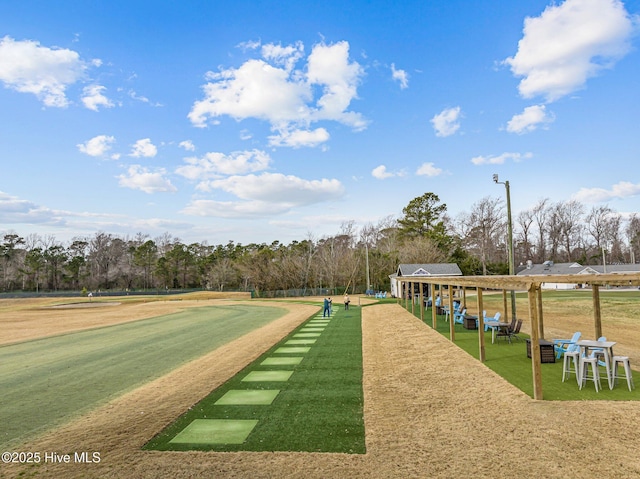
column 509, row 242
column 366, row 248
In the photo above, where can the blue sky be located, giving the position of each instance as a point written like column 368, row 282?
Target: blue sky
column 261, row 121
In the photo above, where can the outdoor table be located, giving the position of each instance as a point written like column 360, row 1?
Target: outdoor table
column 496, row 326
column 607, row 346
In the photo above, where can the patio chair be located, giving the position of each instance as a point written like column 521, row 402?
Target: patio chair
column 511, row 331
column 488, row 321
column 458, row 317
column 560, row 345
column 571, row 354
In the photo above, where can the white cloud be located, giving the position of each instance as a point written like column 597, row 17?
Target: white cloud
column 265, row 194
column 97, row 146
column 187, row 145
column 298, row 138
column 329, row 65
column 93, row 98
column 144, row 148
column 142, row 99
column 381, row 173
column 279, row 188
column 214, row 164
column 623, row 189
column 500, row 159
column 286, row 56
column 428, row 169
column 568, row 44
column 400, row 75
column 28, row 67
column 141, row 178
column 282, row 95
column 14, row 210
column 446, row 123
column 231, row 209
column 529, row 119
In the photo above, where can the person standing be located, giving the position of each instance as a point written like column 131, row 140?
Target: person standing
column 326, row 311
column 346, row 301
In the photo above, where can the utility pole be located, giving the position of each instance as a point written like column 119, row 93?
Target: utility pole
column 509, row 241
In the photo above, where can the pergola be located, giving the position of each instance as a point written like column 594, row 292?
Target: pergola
column 530, row 284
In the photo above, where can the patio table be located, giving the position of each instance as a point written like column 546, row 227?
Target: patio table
column 496, row 326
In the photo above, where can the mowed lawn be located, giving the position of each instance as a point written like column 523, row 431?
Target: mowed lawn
column 47, row 381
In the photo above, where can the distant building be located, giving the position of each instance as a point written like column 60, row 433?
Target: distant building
column 549, row 268
column 421, row 271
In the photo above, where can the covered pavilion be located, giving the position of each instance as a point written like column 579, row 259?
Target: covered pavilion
column 529, row 284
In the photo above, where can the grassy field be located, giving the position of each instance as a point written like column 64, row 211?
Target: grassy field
column 47, row 381
column 318, row 408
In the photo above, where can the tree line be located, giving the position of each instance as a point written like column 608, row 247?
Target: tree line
column 355, row 258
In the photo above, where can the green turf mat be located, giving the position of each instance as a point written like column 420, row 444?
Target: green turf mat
column 282, row 361
column 239, row 397
column 267, row 376
column 293, row 342
column 216, row 431
column 292, row 350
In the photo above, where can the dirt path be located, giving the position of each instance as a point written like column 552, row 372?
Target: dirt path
column 431, row 410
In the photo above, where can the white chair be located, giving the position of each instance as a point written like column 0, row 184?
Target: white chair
column 571, row 356
column 624, row 361
column 585, row 361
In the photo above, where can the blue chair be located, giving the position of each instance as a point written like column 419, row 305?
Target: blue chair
column 488, row 321
column 458, row 317
column 560, row 345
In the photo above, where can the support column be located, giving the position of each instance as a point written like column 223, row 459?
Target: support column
column 535, row 343
column 597, row 318
column 481, row 326
column 540, row 315
column 452, row 329
column 421, row 287
column 504, row 306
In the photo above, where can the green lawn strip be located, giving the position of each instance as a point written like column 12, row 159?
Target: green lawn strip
column 511, row 362
column 319, row 408
column 45, row 382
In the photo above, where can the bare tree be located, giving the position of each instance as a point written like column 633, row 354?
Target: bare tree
column 540, row 213
column 485, row 231
column 570, row 223
column 525, row 222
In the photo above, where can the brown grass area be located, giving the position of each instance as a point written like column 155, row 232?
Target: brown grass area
column 430, row 410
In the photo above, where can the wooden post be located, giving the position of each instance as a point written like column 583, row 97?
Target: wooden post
column 504, row 306
column 452, row 329
column 464, row 297
column 421, row 287
column 434, row 319
column 540, row 315
column 481, row 325
column 411, row 297
column 535, row 342
column 597, row 318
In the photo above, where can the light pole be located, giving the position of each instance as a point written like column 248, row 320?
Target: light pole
column 509, row 241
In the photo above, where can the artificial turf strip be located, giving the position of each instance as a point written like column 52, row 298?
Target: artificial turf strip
column 282, row 361
column 511, row 362
column 319, row 409
column 215, row 431
column 267, row 376
column 241, row 397
column 292, row 350
column 45, row 382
